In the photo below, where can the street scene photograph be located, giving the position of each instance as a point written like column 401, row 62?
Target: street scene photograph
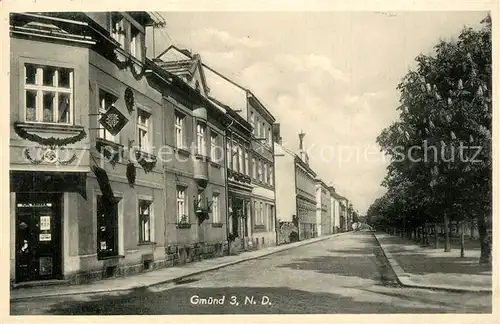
column 251, row 162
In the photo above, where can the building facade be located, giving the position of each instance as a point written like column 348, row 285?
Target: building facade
column 249, row 158
column 286, row 190
column 323, row 208
column 335, row 210
column 195, row 173
column 83, row 121
column 305, row 194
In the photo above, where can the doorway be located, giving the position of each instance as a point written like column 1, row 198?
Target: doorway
column 38, row 236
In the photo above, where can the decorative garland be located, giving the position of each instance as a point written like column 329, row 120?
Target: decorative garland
column 29, row 158
column 129, row 62
column 148, row 166
column 129, row 100
column 51, row 142
column 112, row 156
column 131, row 174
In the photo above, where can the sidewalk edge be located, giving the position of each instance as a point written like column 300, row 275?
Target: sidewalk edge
column 170, row 280
column 402, row 276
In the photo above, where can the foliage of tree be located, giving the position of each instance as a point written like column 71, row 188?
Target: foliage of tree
column 441, row 146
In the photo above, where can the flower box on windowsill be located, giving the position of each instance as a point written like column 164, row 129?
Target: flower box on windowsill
column 183, row 225
column 218, row 225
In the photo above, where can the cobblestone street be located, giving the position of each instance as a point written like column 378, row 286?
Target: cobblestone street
column 344, row 274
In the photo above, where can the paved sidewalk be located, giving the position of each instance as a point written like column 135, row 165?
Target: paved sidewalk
column 426, row 267
column 160, row 276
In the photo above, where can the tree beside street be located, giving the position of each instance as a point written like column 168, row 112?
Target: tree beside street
column 441, row 145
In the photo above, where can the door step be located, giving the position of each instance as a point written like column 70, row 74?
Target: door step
column 40, row 283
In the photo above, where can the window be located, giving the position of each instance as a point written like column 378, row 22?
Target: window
column 215, row 209
column 143, row 130
column 254, row 168
column 48, row 93
column 107, row 228
column 179, row 130
column 257, row 131
column 263, row 130
column 229, row 157
column 118, row 31
column 271, row 167
column 260, row 170
column 271, row 218
column 265, row 173
column 269, row 136
column 144, row 220
column 213, row 147
column 261, row 213
column 252, row 121
column 256, row 212
column 200, row 139
column 182, row 212
column 106, row 100
column 247, row 169
column 135, row 43
column 240, row 159
column 235, row 156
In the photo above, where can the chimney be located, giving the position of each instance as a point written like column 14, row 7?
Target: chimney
column 277, row 133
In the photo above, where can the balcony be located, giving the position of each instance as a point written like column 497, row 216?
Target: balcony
column 201, row 169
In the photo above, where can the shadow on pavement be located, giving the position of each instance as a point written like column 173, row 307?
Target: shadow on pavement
column 177, row 301
column 417, row 261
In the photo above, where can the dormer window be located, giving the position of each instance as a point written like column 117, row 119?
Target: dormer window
column 135, row 43
column 118, row 31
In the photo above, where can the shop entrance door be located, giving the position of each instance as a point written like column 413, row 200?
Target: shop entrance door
column 38, row 236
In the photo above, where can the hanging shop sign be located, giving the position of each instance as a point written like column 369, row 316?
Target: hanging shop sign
column 113, row 120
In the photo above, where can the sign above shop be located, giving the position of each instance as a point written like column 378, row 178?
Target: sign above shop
column 113, row 120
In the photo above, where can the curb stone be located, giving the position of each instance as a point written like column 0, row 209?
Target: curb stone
column 404, row 279
column 285, row 247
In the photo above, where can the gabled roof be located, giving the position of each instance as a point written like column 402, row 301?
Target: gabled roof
column 186, row 64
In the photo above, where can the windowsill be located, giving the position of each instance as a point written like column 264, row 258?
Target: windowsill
column 50, row 127
column 218, row 225
column 215, row 165
column 202, row 157
column 111, row 257
column 145, row 155
column 182, row 151
column 146, row 243
column 104, row 142
column 183, row 225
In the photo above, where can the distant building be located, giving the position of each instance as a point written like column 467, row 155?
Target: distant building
column 323, row 208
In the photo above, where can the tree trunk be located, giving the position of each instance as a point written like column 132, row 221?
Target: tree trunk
column 462, row 238
column 447, row 247
column 426, row 234
column 436, row 243
column 484, row 239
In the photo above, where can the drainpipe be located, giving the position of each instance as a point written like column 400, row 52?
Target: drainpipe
column 227, row 187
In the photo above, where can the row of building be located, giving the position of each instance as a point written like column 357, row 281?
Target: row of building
column 120, row 163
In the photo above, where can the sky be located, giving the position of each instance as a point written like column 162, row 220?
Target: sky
column 331, row 74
